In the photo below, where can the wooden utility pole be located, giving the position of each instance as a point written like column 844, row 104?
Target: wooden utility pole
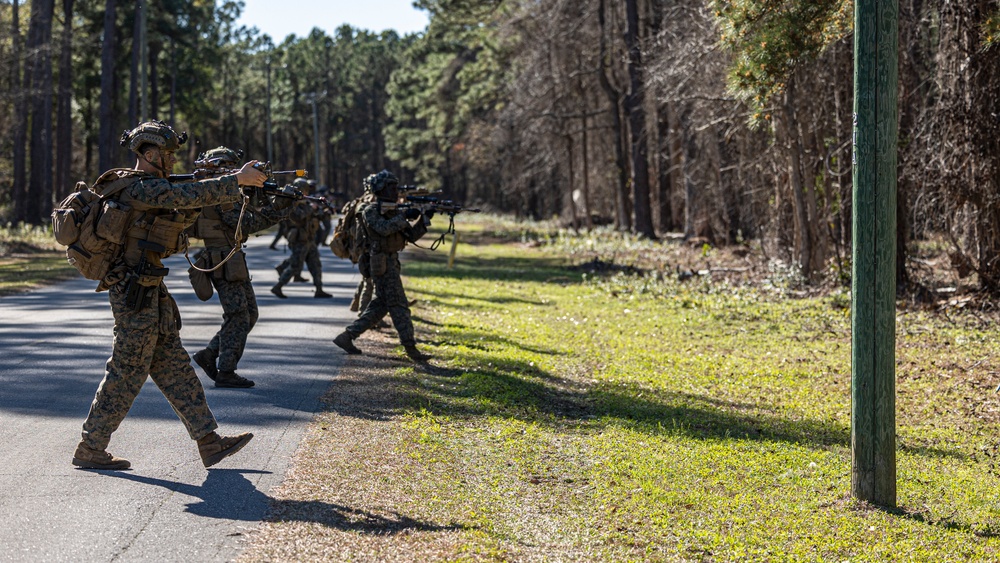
column 873, row 296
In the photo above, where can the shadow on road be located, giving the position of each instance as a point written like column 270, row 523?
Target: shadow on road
column 229, row 495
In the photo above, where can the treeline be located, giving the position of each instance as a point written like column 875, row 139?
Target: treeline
column 67, row 94
column 723, row 120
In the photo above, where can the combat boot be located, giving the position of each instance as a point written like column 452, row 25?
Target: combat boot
column 277, row 291
column 227, row 378
column 89, row 458
column 345, row 341
column 416, row 355
column 300, row 279
column 206, row 359
column 214, row 448
column 321, row 294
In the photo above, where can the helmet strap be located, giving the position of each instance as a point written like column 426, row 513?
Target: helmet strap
column 160, row 166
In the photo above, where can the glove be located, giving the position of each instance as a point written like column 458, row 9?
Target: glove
column 411, row 213
column 280, row 202
column 429, row 214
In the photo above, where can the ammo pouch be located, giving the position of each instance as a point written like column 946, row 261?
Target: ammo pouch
column 395, row 242
column 379, row 263
column 113, row 223
column 200, row 281
column 236, row 269
column 168, row 234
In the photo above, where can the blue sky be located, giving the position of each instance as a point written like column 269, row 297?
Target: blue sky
column 279, row 18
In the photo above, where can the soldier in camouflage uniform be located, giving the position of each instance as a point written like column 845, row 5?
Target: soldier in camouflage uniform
column 304, row 222
column 388, row 232
column 217, row 226
column 146, row 333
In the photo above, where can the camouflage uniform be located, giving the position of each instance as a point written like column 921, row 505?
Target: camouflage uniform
column 388, row 234
column 304, row 223
column 217, row 227
column 363, row 294
column 146, row 338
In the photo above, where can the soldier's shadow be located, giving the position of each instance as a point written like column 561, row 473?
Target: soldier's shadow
column 228, row 495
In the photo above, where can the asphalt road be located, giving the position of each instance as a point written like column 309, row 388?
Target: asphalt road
column 168, row 507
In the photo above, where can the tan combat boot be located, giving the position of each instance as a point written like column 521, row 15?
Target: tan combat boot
column 214, row 448
column 89, row 458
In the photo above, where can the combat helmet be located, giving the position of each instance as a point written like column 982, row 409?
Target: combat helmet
column 222, row 156
column 302, row 185
column 375, row 183
column 155, row 133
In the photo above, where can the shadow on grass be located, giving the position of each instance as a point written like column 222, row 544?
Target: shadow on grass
column 228, row 494
column 518, row 390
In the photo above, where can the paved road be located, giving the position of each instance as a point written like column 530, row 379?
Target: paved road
column 53, row 345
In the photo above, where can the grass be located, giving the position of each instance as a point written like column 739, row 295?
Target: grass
column 627, row 416
column 29, row 258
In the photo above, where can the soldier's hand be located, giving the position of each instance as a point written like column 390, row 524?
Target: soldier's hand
column 282, row 202
column 411, row 213
column 250, row 176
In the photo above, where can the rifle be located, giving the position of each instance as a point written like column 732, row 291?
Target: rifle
column 210, row 168
column 413, row 191
column 272, row 189
column 434, row 204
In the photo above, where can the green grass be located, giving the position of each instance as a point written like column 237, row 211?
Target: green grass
column 30, row 257
column 635, row 417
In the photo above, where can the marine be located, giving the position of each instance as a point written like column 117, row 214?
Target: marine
column 304, row 222
column 388, row 230
column 146, row 319
column 225, row 228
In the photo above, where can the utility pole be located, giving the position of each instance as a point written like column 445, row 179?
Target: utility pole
column 312, row 98
column 873, row 291
column 270, row 142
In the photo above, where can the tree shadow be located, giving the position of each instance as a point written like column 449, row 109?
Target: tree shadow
column 504, row 388
column 227, row 494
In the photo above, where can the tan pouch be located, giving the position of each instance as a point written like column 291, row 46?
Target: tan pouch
column 166, row 233
column 112, row 225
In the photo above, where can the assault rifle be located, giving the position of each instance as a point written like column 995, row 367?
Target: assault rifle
column 433, row 205
column 211, row 168
column 427, row 203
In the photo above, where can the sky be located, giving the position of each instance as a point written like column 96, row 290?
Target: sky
column 279, row 18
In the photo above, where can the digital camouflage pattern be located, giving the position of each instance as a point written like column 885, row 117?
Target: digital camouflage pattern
column 363, row 294
column 147, row 340
column 304, row 222
column 239, row 304
column 390, row 297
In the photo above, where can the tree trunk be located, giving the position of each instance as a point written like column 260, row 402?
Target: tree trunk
column 133, row 80
column 39, row 200
column 793, row 147
column 623, row 220
column 154, row 82
column 105, row 138
column 64, row 116
column 20, row 121
column 690, row 156
column 635, row 109
column 665, row 180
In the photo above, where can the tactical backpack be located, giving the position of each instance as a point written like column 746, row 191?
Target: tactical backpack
column 350, row 239
column 92, row 226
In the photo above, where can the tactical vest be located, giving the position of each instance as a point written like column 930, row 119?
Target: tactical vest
column 220, row 239
column 149, row 234
column 210, row 228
